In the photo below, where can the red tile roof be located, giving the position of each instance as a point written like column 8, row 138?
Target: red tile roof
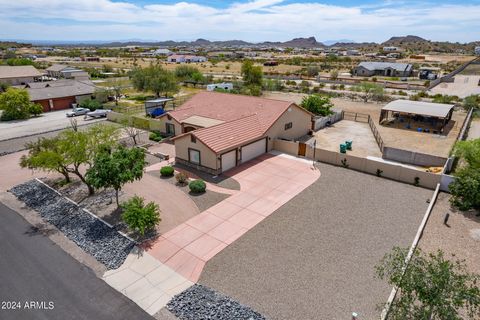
column 246, row 118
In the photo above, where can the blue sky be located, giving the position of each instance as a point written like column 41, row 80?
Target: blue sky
column 253, row 20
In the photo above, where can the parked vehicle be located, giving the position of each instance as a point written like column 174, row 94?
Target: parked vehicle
column 99, row 113
column 77, row 112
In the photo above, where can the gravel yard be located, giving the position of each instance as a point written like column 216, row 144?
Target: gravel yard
column 201, row 303
column 461, row 237
column 93, row 236
column 314, row 257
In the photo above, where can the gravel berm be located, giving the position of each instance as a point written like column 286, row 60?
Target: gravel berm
column 202, row 303
column 89, row 233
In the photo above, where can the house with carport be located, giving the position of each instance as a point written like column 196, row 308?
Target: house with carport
column 215, row 132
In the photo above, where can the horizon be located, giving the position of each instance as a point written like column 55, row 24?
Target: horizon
column 252, row 21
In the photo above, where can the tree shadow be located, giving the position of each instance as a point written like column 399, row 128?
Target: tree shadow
column 40, row 229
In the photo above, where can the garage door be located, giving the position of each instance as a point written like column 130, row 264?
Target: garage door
column 229, row 160
column 253, row 150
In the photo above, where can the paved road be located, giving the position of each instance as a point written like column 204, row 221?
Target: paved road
column 48, row 121
column 33, row 268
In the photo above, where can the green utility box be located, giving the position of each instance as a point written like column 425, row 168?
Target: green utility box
column 348, row 143
column 343, row 148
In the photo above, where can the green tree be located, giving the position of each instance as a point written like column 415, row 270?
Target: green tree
column 112, row 169
column 252, row 75
column 46, row 155
column 16, row 104
column 316, row 104
column 156, row 79
column 472, row 101
column 465, row 189
column 197, row 78
column 185, row 72
column 140, row 217
column 70, row 152
column 430, row 287
column 334, row 75
column 369, row 90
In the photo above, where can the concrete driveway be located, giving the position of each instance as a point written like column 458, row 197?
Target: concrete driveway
column 48, row 121
column 266, row 183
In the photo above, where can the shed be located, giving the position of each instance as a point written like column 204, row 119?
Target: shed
column 156, row 107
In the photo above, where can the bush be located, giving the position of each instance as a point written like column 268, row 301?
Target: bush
column 167, row 171
column 35, row 109
column 91, row 104
column 181, row 178
column 140, row 217
column 155, row 136
column 197, row 186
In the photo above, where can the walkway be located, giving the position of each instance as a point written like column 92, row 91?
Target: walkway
column 176, row 259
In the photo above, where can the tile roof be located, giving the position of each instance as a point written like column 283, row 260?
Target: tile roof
column 230, row 134
column 19, row 72
column 245, row 117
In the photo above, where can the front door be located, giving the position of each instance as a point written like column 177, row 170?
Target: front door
column 302, row 149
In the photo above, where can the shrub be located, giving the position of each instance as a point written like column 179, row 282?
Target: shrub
column 416, row 181
column 167, row 171
column 181, row 178
column 35, row 109
column 379, row 172
column 155, row 136
column 91, row 104
column 140, row 217
column 197, row 186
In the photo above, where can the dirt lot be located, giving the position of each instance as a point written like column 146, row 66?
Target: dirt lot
column 364, row 143
column 461, row 237
column 314, row 257
column 393, row 137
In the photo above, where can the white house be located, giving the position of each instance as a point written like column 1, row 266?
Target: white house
column 181, row 58
column 477, row 51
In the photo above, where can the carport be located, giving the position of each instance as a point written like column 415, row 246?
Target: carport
column 418, row 115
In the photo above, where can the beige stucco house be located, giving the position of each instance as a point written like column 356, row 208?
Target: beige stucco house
column 215, row 131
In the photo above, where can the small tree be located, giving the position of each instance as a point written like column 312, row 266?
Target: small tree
column 252, row 75
column 130, row 129
column 369, row 90
column 431, row 287
column 334, row 75
column 16, row 105
column 156, row 79
column 316, row 104
column 472, row 101
column 140, row 217
column 465, row 189
column 45, row 154
column 114, row 169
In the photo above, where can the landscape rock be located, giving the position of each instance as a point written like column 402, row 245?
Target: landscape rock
column 89, row 233
column 202, row 303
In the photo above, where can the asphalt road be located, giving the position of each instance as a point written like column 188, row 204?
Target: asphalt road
column 33, row 268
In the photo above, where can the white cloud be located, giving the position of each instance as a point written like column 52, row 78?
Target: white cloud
column 256, row 20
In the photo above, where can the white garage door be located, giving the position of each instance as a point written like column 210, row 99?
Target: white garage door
column 229, row 160
column 253, row 150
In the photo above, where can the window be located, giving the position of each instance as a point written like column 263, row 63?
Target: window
column 170, row 128
column 194, row 156
column 193, row 139
column 288, row 125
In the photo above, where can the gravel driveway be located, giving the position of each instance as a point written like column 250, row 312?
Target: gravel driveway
column 314, row 257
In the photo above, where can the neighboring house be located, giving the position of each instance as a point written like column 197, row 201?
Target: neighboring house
column 61, row 94
column 387, row 69
column 157, row 52
column 181, row 58
column 67, row 72
column 477, row 51
column 391, row 49
column 223, row 85
column 215, row 131
column 19, row 75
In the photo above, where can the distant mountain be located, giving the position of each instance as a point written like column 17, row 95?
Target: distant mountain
column 339, row 41
column 353, row 44
column 404, row 40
